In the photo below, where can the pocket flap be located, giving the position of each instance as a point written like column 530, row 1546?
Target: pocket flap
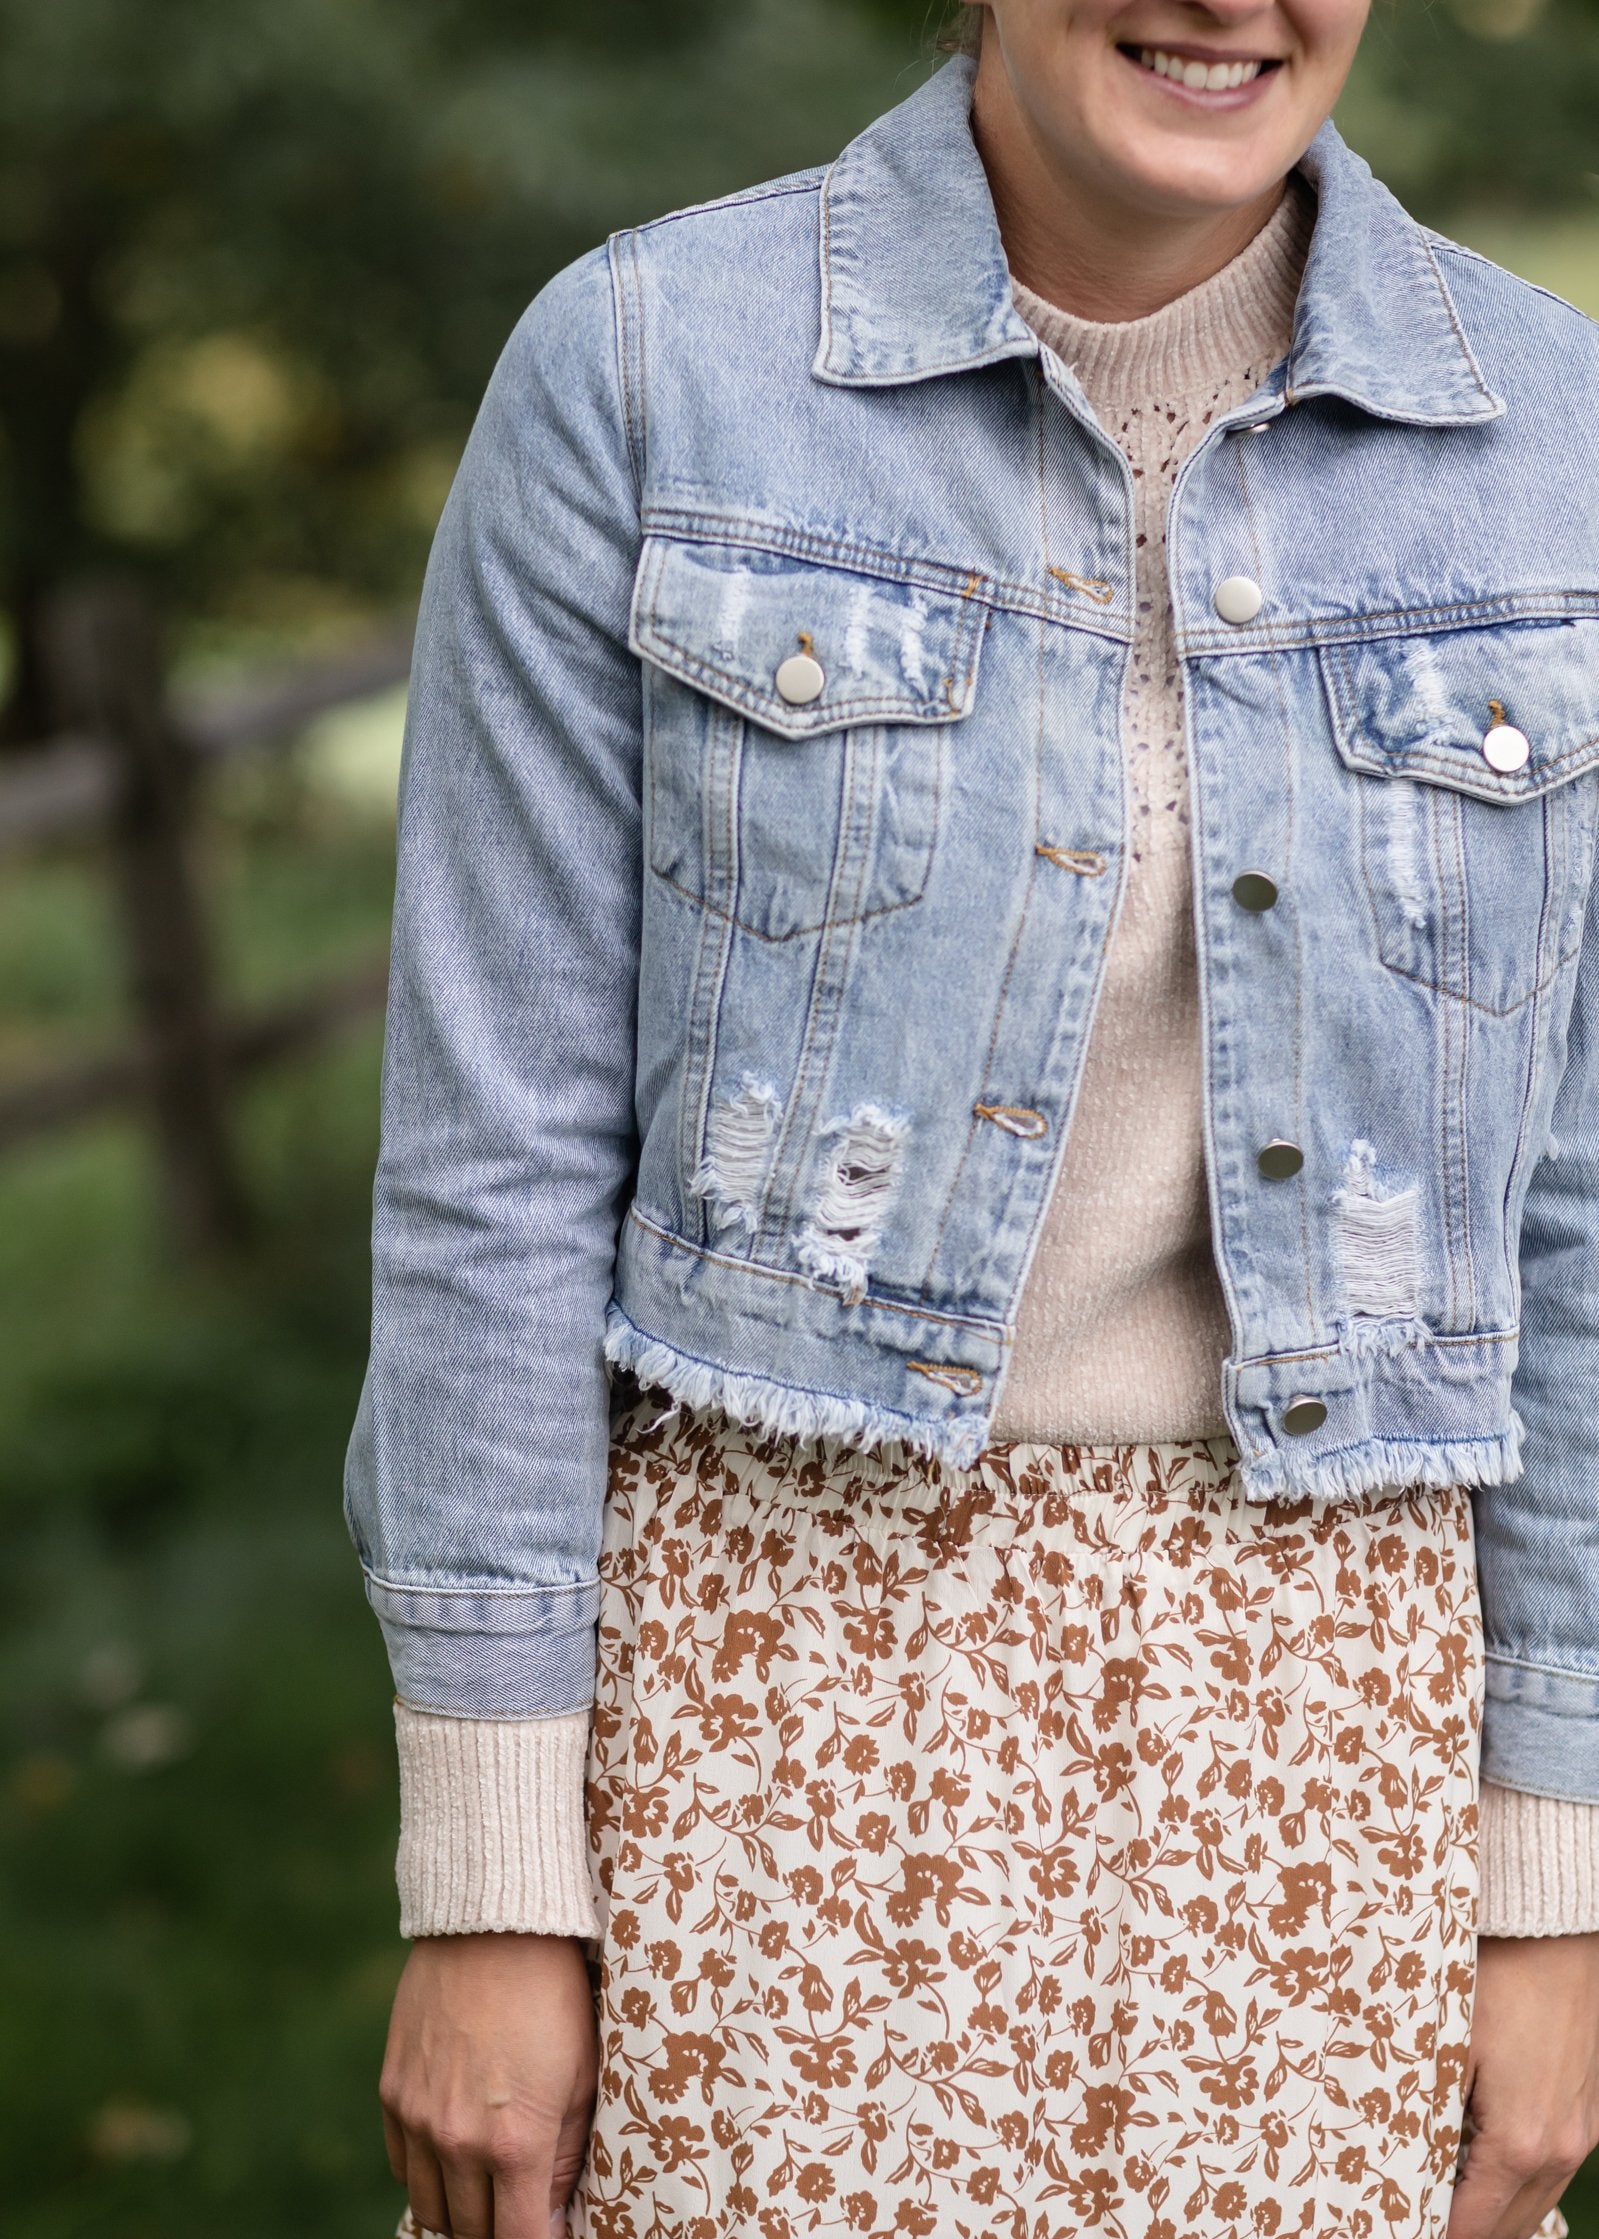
column 1420, row 707
column 726, row 619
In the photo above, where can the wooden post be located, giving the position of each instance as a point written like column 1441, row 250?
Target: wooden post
column 103, row 652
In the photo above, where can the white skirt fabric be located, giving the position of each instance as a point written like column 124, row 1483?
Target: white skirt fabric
column 1060, row 1846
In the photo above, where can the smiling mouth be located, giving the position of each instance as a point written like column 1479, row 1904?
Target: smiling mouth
column 1196, row 74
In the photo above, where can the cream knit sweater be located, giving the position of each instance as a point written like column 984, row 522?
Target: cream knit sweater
column 1122, row 1328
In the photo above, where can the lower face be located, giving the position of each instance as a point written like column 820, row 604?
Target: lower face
column 1175, row 105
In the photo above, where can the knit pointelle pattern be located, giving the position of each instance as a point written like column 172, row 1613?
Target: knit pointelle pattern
column 1122, row 1329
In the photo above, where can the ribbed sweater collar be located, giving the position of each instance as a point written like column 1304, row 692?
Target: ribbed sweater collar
column 1243, row 315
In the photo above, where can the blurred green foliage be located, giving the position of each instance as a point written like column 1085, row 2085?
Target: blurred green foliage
column 196, row 1784
column 255, row 262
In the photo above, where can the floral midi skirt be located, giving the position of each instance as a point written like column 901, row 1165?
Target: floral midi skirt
column 1062, row 1845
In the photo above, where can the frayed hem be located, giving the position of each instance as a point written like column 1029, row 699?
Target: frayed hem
column 1377, row 1462
column 758, row 1403
column 1366, row 1338
column 785, row 1411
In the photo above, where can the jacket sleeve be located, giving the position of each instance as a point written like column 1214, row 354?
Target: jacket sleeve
column 474, row 1479
column 1538, row 1535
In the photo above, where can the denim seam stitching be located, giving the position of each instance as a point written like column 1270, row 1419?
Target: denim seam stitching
column 798, row 932
column 1453, row 317
column 1279, row 693
column 529, row 1592
column 1544, row 1671
column 697, row 525
column 994, row 1333
column 1442, row 244
column 1552, row 606
column 653, row 635
column 808, row 181
column 814, row 1067
column 1452, row 1338
column 627, row 319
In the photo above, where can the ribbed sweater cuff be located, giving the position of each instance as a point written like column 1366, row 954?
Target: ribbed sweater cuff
column 492, row 1828
column 1540, row 1865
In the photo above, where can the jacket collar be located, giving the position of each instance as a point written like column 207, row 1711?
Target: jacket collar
column 915, row 283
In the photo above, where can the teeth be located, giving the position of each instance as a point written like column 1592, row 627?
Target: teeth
column 1214, row 77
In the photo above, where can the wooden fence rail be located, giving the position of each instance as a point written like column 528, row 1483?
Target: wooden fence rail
column 127, row 763
column 59, row 1098
column 67, row 785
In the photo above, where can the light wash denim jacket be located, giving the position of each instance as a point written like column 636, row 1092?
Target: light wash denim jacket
column 761, row 836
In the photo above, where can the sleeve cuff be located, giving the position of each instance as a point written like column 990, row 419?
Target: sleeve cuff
column 493, row 1835
column 1540, row 1865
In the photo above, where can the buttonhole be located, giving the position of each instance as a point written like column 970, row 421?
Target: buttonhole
column 1083, row 860
column 1091, row 586
column 965, row 1383
column 1015, row 1119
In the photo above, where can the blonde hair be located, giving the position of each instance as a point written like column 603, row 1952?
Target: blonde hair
column 963, row 30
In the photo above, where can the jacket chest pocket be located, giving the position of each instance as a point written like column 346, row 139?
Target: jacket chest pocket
column 1476, row 818
column 797, row 727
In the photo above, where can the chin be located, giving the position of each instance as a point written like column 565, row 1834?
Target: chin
column 1203, row 178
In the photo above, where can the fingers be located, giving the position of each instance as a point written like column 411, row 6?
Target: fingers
column 424, row 2188
column 469, row 2198
column 1508, row 2186
column 394, row 2140
column 486, row 2185
column 512, row 2199
column 523, row 2206
column 490, row 2073
column 571, row 2151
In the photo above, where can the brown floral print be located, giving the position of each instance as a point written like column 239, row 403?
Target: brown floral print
column 1061, row 1846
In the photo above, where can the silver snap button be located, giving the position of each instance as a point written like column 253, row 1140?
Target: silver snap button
column 1504, row 748
column 1239, row 599
column 1253, row 890
column 1304, row 1414
column 1280, row 1161
column 800, row 679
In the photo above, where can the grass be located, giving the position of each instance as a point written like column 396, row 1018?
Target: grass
column 196, row 1790
column 196, row 1812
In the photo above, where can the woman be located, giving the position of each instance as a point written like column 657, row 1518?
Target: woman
column 1085, row 559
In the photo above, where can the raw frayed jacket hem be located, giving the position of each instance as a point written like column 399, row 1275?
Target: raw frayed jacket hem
column 759, row 1402
column 787, row 1411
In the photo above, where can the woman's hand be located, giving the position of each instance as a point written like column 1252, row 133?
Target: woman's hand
column 488, row 2083
column 1532, row 2082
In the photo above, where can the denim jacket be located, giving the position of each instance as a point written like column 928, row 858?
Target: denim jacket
column 762, row 834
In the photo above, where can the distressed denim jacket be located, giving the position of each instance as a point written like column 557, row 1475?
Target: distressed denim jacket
column 762, row 834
